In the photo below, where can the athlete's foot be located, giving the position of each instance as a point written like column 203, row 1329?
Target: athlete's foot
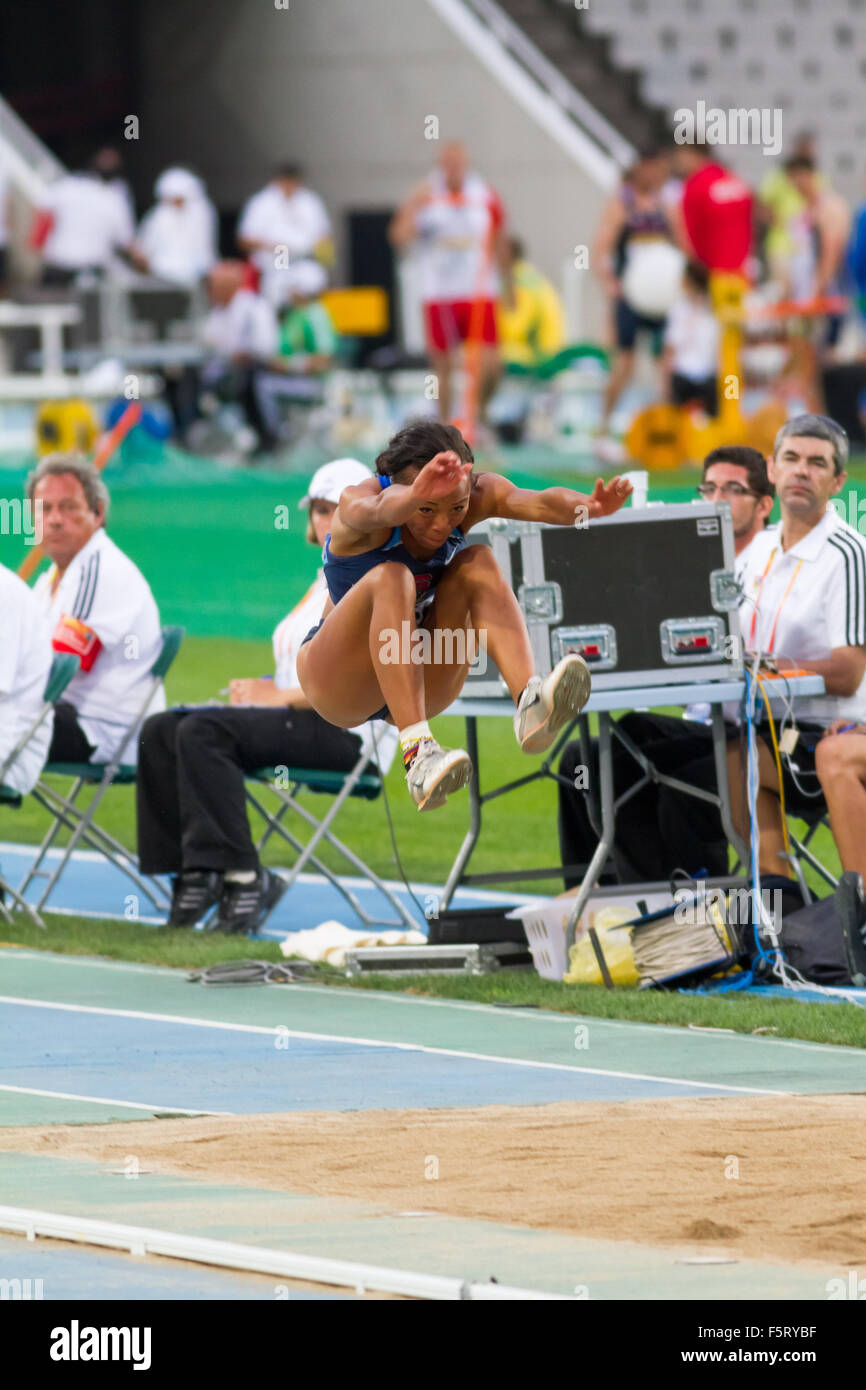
column 435, row 773
column 547, row 705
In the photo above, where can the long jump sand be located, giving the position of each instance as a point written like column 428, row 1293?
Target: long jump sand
column 768, row 1178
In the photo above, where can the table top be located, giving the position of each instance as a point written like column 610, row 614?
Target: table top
column 778, row 688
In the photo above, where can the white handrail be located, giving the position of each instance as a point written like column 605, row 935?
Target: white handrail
column 29, row 165
column 549, row 76
column 537, row 85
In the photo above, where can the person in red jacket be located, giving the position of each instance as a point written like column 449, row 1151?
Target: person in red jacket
column 715, row 216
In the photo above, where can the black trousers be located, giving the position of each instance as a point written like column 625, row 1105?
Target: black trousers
column 190, row 786
column 658, row 829
column 68, row 742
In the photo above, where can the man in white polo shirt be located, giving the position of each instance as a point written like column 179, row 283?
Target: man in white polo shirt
column 80, row 223
column 99, row 606
column 282, row 223
column 804, row 584
column 25, row 660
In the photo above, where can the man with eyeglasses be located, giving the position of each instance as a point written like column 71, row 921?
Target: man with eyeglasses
column 804, row 583
column 737, row 475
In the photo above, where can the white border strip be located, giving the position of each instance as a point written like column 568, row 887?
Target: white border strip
column 143, row 1240
column 281, row 1030
column 105, row 1100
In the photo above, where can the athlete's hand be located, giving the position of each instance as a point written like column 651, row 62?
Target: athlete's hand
column 445, row 473
column 606, row 498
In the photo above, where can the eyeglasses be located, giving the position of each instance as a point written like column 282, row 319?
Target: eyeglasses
column 725, row 490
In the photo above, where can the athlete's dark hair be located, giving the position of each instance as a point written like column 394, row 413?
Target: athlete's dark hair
column 698, row 275
column 417, row 443
column 800, row 164
column 741, row 456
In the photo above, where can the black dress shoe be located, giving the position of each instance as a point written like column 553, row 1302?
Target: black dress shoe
column 244, row 906
column 193, row 895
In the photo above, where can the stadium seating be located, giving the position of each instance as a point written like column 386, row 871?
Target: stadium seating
column 364, row 781
column 807, row 57
column 66, row 814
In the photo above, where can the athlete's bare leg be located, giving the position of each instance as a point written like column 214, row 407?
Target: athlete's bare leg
column 442, row 364
column 473, row 595
column 342, row 671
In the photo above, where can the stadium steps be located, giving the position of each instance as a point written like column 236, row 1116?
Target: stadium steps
column 584, row 59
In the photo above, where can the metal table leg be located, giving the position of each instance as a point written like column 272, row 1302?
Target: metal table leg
column 471, row 838
column 608, row 825
column 720, row 752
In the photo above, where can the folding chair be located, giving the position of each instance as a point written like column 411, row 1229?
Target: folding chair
column 800, row 850
column 82, row 823
column 63, row 667
column 365, row 780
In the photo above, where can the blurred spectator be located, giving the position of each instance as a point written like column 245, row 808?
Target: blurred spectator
column 819, row 233
column 177, row 238
column 283, row 222
column 108, row 164
column 692, row 343
column 99, row 606
column 241, row 335
column 25, row 660
column 779, row 203
column 633, row 219
column 80, row 223
column 714, row 219
column 857, row 257
column 456, row 219
column 308, row 341
column 530, row 316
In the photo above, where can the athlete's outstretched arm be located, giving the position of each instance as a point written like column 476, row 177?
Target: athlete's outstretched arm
column 367, row 509
column 494, row 495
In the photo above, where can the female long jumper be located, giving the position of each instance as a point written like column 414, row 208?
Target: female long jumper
column 397, row 562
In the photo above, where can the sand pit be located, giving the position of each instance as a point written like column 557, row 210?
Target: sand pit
column 769, row 1178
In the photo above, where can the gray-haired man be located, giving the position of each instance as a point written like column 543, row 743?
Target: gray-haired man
column 99, row 606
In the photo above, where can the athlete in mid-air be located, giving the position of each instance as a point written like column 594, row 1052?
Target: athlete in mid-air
column 397, row 560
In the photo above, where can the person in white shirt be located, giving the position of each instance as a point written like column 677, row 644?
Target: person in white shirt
column 691, row 343
column 99, row 606
column 804, row 583
column 81, row 222
column 176, row 240
column 284, row 222
column 25, row 661
column 241, row 334
column 456, row 220
column 192, row 820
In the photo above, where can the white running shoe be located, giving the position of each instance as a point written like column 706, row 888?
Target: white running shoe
column 436, row 772
column 546, row 706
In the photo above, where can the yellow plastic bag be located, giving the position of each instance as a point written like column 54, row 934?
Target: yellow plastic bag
column 615, row 942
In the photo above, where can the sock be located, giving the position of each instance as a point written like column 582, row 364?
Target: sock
column 239, row 876
column 410, row 737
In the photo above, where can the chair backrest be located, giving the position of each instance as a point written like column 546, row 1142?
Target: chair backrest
column 171, row 640
column 64, row 665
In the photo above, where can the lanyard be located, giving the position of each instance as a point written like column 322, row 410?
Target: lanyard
column 782, row 602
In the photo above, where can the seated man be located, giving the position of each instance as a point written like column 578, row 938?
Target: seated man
column 308, row 342
column 660, row 829
column 99, row 606
column 805, row 605
column 25, row 660
column 240, row 335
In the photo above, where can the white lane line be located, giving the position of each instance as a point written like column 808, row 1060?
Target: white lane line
column 413, row 1001
column 281, row 1030
column 105, row 1100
